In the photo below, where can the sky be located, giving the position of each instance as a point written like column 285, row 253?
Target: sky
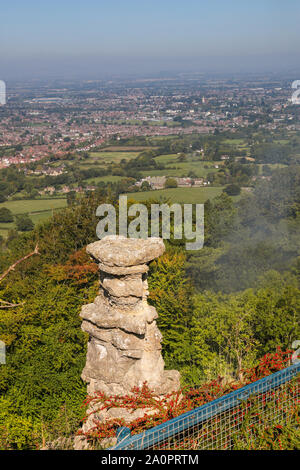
column 77, row 39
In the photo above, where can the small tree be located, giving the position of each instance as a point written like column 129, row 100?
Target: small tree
column 11, row 235
column 192, row 174
column 6, row 215
column 24, row 223
column 232, row 189
column 71, row 198
column 171, row 183
column 145, row 186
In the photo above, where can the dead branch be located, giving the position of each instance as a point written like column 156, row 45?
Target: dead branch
column 12, row 267
column 3, row 303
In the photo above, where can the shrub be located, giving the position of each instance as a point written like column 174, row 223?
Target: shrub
column 171, row 183
column 232, row 189
column 6, row 215
column 24, row 223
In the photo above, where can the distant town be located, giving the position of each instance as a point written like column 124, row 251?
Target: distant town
column 188, row 138
column 41, row 121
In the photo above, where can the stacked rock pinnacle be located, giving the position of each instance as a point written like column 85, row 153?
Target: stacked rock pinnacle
column 124, row 348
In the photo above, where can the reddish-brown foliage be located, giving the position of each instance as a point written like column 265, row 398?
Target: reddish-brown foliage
column 161, row 409
column 79, row 268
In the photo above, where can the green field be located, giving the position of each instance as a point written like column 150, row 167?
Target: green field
column 105, row 179
column 272, row 166
column 37, row 209
column 103, row 158
column 173, row 167
column 125, row 148
column 108, row 157
column 4, row 228
column 166, row 159
column 182, row 195
column 28, row 206
column 239, row 144
column 235, row 141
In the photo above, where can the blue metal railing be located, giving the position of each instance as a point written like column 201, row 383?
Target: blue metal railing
column 195, row 418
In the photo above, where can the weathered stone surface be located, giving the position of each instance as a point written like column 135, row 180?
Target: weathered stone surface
column 123, row 271
column 104, row 316
column 170, row 382
column 153, row 338
column 129, row 301
column 104, row 362
column 111, row 388
column 124, row 287
column 124, row 350
column 117, row 337
column 134, row 353
column 123, row 252
column 148, row 369
column 125, row 344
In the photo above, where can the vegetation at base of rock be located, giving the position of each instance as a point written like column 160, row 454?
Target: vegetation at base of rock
column 253, row 433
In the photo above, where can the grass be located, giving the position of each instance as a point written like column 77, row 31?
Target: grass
column 197, row 167
column 235, row 142
column 112, row 157
column 121, row 148
column 4, row 228
column 104, row 158
column 160, row 138
column 165, row 159
column 41, row 216
column 38, row 210
column 173, row 167
column 28, row 206
column 105, row 179
column 165, row 172
column 239, row 144
column 272, row 166
column 181, row 195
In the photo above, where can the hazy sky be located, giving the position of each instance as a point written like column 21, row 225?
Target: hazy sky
column 89, row 38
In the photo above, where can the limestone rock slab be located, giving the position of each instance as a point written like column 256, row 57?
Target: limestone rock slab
column 124, row 287
column 119, row 251
column 105, row 317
